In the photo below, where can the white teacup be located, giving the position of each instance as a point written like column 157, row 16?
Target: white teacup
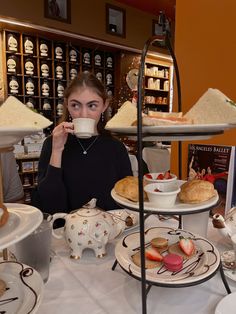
column 84, row 127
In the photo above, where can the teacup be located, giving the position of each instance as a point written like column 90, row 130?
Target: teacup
column 84, row 127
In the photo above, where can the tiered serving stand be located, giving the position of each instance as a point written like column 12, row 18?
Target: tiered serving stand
column 24, row 284
column 207, row 261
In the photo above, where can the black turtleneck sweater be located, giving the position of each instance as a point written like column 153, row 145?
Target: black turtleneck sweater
column 82, row 176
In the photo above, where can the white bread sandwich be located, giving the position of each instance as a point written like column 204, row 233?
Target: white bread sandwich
column 156, row 118
column 211, row 108
column 124, row 117
column 13, row 113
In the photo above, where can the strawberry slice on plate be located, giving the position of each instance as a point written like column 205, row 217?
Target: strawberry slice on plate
column 186, row 245
column 153, row 254
column 148, row 175
column 160, row 176
column 167, row 175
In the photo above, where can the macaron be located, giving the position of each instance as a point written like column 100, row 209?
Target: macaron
column 159, row 242
column 173, row 262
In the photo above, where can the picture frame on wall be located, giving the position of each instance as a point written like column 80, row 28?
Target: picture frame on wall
column 115, row 20
column 58, row 10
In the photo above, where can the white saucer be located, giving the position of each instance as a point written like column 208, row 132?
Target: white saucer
column 227, row 304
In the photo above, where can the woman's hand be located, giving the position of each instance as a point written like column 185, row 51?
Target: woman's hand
column 60, row 134
column 59, row 138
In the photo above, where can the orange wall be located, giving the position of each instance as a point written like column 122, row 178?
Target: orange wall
column 88, row 18
column 205, row 46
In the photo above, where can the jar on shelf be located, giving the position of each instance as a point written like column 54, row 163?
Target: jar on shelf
column 28, row 45
column 29, row 66
column 29, row 86
column 166, row 85
column 14, row 85
column 12, row 64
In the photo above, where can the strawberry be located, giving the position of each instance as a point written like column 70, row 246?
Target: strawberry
column 186, row 245
column 148, row 175
column 153, row 254
column 167, row 175
column 160, row 176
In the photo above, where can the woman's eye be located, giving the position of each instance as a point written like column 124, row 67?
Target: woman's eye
column 92, row 106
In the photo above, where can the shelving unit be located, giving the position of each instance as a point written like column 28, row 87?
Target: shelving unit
column 38, row 69
column 158, row 85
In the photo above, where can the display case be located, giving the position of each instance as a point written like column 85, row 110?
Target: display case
column 38, row 69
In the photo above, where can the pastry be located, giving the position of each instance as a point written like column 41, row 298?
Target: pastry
column 148, row 263
column 173, row 262
column 159, row 243
column 128, row 188
column 4, row 215
column 175, row 249
column 125, row 116
column 196, row 191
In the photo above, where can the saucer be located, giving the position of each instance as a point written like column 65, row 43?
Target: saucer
column 227, row 304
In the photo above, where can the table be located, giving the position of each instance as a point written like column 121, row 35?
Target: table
column 90, row 286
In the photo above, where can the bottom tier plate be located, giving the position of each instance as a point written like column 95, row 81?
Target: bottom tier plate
column 199, row 268
column 24, row 288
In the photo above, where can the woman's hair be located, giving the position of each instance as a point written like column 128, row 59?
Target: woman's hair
column 86, row 79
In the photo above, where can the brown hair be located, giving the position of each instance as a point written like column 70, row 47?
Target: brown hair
column 86, row 79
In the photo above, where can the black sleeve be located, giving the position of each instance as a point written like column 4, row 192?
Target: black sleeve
column 51, row 189
column 123, row 162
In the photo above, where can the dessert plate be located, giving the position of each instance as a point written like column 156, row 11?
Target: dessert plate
column 11, row 136
column 23, row 219
column 124, row 213
column 179, row 207
column 196, row 269
column 227, row 304
column 24, row 289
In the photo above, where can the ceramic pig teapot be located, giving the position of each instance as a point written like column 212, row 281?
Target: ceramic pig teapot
column 89, row 227
column 227, row 225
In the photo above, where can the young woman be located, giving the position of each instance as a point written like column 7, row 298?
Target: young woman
column 72, row 170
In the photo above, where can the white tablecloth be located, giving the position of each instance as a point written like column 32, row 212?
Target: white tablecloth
column 90, row 286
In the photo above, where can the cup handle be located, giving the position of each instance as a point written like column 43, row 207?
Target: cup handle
column 60, row 234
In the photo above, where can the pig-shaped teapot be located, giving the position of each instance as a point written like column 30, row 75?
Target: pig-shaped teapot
column 89, row 227
column 227, row 225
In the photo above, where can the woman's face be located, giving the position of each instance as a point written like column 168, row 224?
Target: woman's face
column 85, row 103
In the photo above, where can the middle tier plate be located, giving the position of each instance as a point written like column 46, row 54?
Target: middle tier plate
column 178, row 209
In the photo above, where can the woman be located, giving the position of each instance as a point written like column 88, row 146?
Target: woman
column 72, row 170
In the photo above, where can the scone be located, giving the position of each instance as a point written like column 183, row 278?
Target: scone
column 3, row 215
column 196, row 191
column 128, row 188
column 148, row 263
column 3, row 287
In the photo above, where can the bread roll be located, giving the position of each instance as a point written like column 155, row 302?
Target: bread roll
column 196, row 191
column 128, row 188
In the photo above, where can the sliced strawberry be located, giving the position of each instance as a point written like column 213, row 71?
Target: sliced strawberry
column 167, row 175
column 148, row 175
column 186, row 245
column 153, row 254
column 160, row 176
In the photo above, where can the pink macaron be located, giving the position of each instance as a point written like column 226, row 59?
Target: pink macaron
column 173, row 262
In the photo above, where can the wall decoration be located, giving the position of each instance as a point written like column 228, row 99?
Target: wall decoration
column 58, row 10
column 115, row 20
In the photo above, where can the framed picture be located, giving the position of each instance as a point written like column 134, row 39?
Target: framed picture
column 58, row 10
column 115, row 20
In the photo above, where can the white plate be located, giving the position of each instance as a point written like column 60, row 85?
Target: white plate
column 178, row 207
column 227, row 304
column 125, row 213
column 173, row 129
column 23, row 219
column 25, row 289
column 196, row 269
column 11, row 136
